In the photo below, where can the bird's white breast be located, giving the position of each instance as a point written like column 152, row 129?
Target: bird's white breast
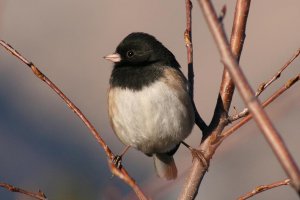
column 154, row 119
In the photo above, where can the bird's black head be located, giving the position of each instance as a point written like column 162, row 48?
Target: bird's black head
column 139, row 49
column 139, row 60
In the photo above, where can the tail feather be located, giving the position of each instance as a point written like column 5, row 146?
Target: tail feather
column 165, row 166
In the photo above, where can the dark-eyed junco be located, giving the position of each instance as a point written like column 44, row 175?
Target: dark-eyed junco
column 149, row 104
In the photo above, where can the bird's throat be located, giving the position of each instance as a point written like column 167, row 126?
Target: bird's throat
column 135, row 78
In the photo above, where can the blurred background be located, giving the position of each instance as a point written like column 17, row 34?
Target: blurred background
column 43, row 145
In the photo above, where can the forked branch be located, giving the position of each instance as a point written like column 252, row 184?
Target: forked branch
column 280, row 91
column 260, row 116
column 211, row 139
column 264, row 85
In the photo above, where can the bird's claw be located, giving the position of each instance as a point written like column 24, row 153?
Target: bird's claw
column 117, row 161
column 199, row 154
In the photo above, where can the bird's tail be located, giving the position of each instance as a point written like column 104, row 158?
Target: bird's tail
column 165, row 166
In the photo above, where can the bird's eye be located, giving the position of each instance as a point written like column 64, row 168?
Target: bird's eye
column 130, row 54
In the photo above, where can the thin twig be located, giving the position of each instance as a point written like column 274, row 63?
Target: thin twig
column 37, row 195
column 264, row 85
column 263, row 188
column 259, row 115
column 211, row 139
column 189, row 47
column 281, row 90
column 121, row 173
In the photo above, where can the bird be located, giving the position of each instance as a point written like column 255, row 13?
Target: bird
column 149, row 106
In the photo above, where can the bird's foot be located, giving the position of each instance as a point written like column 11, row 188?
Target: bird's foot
column 117, row 161
column 198, row 154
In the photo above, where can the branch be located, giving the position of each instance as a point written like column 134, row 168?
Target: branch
column 264, row 85
column 121, row 173
column 189, row 47
column 37, row 195
column 211, row 139
column 281, row 90
column 219, row 120
column 236, row 43
column 261, row 118
column 263, row 188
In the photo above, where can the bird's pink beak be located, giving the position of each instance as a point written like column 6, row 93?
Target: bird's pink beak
column 115, row 57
